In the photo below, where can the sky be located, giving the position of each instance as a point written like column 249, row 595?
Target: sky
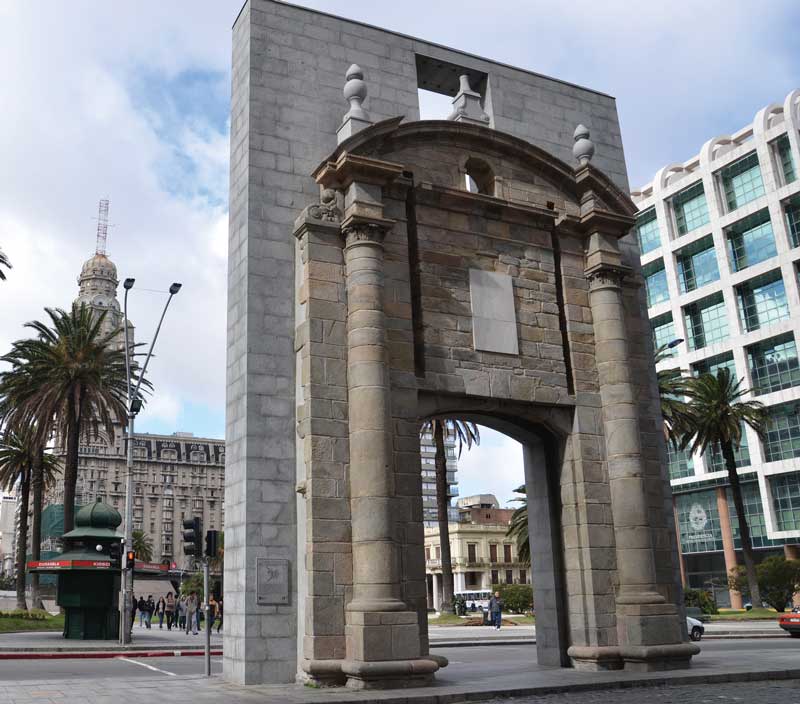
column 130, row 101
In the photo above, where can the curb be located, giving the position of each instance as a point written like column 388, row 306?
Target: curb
column 63, row 655
column 532, row 641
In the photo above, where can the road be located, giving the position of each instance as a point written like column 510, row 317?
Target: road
column 479, row 662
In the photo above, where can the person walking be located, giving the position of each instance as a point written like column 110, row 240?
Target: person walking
column 496, row 610
column 169, row 610
column 191, row 613
column 161, row 610
column 182, row 612
column 219, row 614
column 150, row 607
column 142, row 607
column 133, row 610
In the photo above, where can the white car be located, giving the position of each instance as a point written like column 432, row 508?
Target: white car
column 695, row 628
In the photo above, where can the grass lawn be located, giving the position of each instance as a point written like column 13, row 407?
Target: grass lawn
column 742, row 615
column 476, row 620
column 51, row 623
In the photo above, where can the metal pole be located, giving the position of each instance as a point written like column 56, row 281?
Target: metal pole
column 207, row 611
column 127, row 574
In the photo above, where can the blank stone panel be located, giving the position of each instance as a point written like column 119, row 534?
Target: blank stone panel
column 494, row 320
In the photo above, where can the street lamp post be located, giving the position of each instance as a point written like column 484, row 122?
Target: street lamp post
column 134, row 405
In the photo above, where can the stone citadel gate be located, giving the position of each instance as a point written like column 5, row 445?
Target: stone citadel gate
column 459, row 267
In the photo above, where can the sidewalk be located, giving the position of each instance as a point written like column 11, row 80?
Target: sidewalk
column 514, row 673
column 154, row 641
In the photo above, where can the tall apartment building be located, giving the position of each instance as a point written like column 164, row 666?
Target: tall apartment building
column 720, row 242
column 175, row 476
column 428, row 455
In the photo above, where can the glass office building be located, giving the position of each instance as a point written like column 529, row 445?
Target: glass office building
column 720, row 250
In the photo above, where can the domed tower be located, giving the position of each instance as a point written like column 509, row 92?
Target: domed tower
column 97, row 283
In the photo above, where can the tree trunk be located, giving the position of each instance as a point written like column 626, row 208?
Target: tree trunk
column 37, row 485
column 744, row 529
column 71, row 469
column 442, row 506
column 22, row 538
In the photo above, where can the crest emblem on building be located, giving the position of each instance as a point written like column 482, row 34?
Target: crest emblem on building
column 698, row 518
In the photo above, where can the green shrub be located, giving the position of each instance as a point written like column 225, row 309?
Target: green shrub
column 516, row 597
column 701, row 599
column 32, row 615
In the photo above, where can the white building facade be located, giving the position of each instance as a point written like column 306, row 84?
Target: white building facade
column 720, row 242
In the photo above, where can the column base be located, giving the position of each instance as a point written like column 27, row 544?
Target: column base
column 390, row 674
column 321, row 673
column 658, row 658
column 595, row 658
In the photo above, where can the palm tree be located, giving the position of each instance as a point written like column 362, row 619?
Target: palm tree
column 718, row 416
column 69, row 380
column 4, row 262
column 142, row 546
column 673, row 386
column 44, row 470
column 464, row 433
column 518, row 528
column 16, row 464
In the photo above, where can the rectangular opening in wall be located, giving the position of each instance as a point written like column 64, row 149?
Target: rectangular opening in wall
column 439, row 82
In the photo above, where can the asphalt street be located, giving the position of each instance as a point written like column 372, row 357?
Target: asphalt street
column 475, row 663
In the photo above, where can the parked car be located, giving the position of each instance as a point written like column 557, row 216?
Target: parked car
column 790, row 622
column 695, row 628
column 697, row 613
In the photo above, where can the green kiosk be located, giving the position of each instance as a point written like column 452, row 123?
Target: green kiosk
column 89, row 574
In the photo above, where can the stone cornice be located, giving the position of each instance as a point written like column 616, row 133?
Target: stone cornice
column 349, row 168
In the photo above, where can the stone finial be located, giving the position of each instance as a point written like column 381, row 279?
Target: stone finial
column 583, row 149
column 467, row 104
column 355, row 92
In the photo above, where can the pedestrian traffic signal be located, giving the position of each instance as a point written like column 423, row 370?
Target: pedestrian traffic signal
column 130, row 559
column 115, row 554
column 212, row 543
column 193, row 537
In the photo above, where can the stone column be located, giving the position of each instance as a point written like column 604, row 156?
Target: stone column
column 727, row 542
column 648, row 628
column 437, row 591
column 792, row 552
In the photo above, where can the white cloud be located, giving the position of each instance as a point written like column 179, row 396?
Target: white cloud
column 493, row 467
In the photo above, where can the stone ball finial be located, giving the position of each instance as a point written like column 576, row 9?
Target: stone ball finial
column 583, row 149
column 355, row 92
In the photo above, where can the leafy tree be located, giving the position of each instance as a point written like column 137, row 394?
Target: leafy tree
column 464, row 433
column 4, row 262
column 673, row 387
column 778, row 580
column 17, row 456
column 143, row 546
column 701, row 599
column 516, row 597
column 518, row 528
column 70, row 379
column 717, row 416
column 193, row 583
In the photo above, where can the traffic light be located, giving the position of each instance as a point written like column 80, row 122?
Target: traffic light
column 193, row 537
column 130, row 559
column 212, row 543
column 115, row 554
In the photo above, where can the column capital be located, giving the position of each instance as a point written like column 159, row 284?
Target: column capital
column 606, row 276
column 367, row 231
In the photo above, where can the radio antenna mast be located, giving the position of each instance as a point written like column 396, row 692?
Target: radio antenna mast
column 102, row 226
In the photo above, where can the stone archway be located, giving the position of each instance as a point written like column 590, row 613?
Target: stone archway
column 518, row 305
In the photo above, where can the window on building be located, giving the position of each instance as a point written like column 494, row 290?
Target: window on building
column 782, row 440
column 773, row 364
column 656, row 282
column 427, row 553
column 715, row 462
column 697, row 264
column 711, row 365
column 523, row 577
column 754, row 513
column 706, row 321
column 506, row 553
column 741, row 181
column 663, row 329
column 751, row 240
column 647, row 230
column 493, row 553
column 783, row 154
column 762, row 301
column 495, row 577
column 472, row 552
column 786, row 500
column 509, row 576
column 690, row 208
column 438, row 552
column 479, row 177
column 679, row 462
column 791, row 211
column 698, row 522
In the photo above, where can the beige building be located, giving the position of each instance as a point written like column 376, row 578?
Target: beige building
column 8, row 531
column 480, row 552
